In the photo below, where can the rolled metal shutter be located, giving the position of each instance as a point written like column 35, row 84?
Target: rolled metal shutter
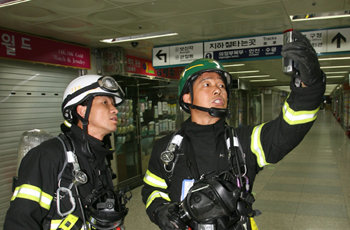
column 30, row 98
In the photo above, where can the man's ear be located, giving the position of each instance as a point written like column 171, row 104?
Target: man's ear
column 81, row 109
column 186, row 98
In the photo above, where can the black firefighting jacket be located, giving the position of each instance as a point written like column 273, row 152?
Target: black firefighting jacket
column 262, row 144
column 33, row 203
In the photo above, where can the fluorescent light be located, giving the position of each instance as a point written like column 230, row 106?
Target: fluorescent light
column 335, row 67
column 335, row 77
column 337, row 72
column 247, row 71
column 4, row 3
column 263, row 80
column 234, row 65
column 333, row 58
column 319, row 16
column 138, row 37
column 254, row 76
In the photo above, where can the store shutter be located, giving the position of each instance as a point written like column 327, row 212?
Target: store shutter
column 30, row 98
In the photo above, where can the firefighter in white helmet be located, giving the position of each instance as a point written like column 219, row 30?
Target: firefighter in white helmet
column 65, row 182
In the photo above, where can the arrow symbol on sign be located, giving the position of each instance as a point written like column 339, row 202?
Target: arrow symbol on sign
column 338, row 38
column 160, row 54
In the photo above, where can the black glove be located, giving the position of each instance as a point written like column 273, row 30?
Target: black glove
column 305, row 59
column 164, row 216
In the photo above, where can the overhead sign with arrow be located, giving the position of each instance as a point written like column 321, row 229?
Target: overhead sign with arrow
column 338, row 40
column 323, row 41
column 177, row 54
column 161, row 56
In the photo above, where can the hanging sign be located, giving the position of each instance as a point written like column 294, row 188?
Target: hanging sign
column 177, row 54
column 20, row 46
column 248, row 47
column 254, row 47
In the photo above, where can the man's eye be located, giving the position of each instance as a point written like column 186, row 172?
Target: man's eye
column 206, row 84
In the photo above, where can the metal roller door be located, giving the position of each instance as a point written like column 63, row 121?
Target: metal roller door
column 30, row 98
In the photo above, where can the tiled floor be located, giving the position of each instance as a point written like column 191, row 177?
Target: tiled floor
column 308, row 190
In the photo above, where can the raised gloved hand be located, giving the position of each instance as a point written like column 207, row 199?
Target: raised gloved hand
column 305, row 59
column 164, row 216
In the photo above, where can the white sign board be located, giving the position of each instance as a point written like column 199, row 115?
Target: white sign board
column 183, row 54
column 323, row 41
column 161, row 56
column 338, row 40
column 177, row 54
column 318, row 40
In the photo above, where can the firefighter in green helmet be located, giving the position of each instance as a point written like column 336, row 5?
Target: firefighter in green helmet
column 201, row 176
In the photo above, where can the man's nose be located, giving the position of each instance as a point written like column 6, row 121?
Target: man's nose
column 114, row 109
column 217, row 90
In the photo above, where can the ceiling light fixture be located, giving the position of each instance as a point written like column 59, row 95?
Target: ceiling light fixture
column 320, row 16
column 335, row 77
column 139, row 37
column 338, row 72
column 254, row 76
column 335, row 67
column 246, row 71
column 333, row 58
column 234, row 65
column 4, row 3
column 263, row 80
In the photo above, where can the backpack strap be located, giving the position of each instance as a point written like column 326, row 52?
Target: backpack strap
column 236, row 157
column 169, row 156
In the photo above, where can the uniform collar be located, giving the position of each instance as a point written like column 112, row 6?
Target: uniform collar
column 97, row 147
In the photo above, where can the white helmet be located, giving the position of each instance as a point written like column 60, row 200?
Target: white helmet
column 88, row 86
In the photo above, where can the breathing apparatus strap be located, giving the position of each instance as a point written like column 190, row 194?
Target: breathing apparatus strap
column 169, row 156
column 236, row 154
column 79, row 177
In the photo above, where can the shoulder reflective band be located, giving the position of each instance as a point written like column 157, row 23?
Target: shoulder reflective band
column 253, row 224
column 256, row 146
column 298, row 117
column 30, row 192
column 156, row 194
column 154, row 180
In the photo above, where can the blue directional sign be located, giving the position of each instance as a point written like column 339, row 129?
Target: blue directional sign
column 246, row 47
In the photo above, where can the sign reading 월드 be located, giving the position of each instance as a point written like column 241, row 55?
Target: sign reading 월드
column 19, row 46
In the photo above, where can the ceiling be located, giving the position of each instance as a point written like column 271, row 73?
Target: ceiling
column 85, row 22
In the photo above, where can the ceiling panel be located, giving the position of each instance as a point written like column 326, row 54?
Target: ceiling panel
column 85, row 22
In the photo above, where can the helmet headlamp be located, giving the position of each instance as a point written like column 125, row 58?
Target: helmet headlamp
column 109, row 84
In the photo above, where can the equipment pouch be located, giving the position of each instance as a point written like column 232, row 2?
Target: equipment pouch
column 71, row 222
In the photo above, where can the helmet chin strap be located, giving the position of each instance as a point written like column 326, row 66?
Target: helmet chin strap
column 215, row 112
column 85, row 122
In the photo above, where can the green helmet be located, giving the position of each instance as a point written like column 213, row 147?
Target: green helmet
column 194, row 70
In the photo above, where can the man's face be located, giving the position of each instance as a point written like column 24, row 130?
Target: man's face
column 103, row 117
column 208, row 91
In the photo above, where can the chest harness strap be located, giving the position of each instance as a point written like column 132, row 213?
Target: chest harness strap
column 79, row 178
column 169, row 156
